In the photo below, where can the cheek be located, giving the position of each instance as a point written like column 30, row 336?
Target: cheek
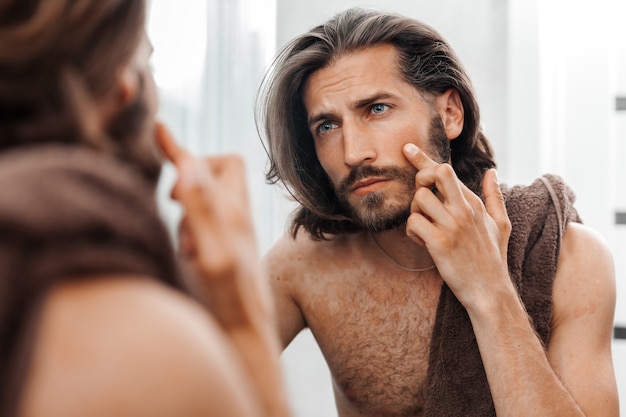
column 414, row 132
column 331, row 161
column 418, row 135
column 152, row 96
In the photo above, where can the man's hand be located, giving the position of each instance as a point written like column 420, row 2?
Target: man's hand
column 216, row 233
column 467, row 239
column 218, row 239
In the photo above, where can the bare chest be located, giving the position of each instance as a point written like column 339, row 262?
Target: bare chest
column 375, row 334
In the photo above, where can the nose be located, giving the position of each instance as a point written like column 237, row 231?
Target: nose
column 358, row 145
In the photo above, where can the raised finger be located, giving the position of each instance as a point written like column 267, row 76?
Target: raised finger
column 494, row 200
column 418, row 158
column 170, row 148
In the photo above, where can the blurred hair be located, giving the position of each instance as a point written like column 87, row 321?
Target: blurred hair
column 426, row 61
column 58, row 58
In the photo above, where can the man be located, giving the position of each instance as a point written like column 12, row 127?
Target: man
column 96, row 319
column 430, row 289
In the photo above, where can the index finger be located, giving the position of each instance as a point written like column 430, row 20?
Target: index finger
column 418, row 158
column 168, row 145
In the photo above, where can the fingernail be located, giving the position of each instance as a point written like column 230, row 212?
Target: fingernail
column 411, row 149
column 495, row 176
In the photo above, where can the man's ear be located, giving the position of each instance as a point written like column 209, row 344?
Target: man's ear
column 127, row 85
column 450, row 108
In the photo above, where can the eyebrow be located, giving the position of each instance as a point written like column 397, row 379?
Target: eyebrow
column 371, row 100
column 358, row 104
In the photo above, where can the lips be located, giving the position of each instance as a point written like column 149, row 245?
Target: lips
column 368, row 185
column 364, row 179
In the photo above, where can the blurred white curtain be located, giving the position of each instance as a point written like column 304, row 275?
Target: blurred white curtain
column 209, row 59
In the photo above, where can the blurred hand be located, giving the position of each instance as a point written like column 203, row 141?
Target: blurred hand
column 217, row 239
column 217, row 233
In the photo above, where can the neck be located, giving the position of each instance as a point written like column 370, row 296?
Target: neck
column 396, row 244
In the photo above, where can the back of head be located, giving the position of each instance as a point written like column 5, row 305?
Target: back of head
column 58, row 59
column 426, row 61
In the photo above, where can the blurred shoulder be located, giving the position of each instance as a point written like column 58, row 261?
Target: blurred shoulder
column 131, row 346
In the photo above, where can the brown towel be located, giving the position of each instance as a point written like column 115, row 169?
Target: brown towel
column 67, row 212
column 456, row 383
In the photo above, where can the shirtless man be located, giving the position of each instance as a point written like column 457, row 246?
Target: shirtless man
column 373, row 127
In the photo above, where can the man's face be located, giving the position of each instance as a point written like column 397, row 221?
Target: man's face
column 361, row 112
column 134, row 123
column 148, row 91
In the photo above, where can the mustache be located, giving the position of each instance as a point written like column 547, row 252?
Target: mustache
column 365, row 171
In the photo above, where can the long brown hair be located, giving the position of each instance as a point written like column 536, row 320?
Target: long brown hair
column 57, row 60
column 426, row 61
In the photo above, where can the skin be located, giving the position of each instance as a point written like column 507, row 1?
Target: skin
column 373, row 321
column 130, row 346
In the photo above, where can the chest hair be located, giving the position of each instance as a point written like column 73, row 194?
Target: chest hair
column 375, row 335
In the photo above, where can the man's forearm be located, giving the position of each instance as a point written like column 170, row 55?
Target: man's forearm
column 244, row 309
column 520, row 377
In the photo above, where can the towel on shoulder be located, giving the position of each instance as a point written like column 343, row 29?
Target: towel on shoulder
column 539, row 213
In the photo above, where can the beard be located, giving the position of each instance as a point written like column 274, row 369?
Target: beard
column 376, row 211
column 132, row 131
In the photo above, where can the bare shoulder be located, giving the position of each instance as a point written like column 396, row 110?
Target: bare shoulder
column 300, row 267
column 291, row 256
column 288, row 250
column 585, row 279
column 295, row 264
column 131, row 346
column 584, row 294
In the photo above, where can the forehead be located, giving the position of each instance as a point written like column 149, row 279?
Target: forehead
column 379, row 58
column 357, row 73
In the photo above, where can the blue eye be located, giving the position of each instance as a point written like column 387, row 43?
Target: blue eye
column 379, row 108
column 326, row 127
